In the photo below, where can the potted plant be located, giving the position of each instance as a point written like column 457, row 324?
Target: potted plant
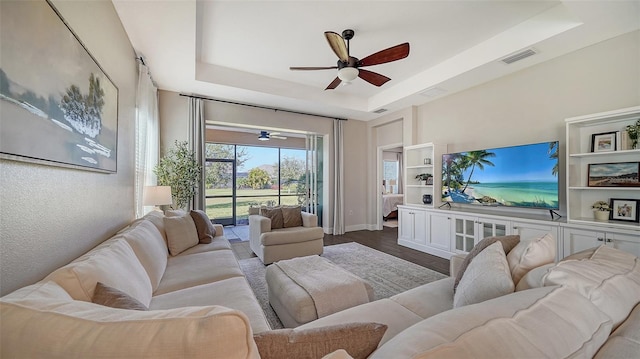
column 633, row 131
column 601, row 210
column 423, row 177
column 180, row 170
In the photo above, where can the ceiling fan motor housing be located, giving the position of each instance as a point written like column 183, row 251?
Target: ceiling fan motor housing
column 353, row 62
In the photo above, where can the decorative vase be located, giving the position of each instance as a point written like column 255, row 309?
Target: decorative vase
column 427, row 199
column 601, row 215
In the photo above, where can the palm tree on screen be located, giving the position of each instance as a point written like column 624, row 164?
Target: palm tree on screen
column 477, row 159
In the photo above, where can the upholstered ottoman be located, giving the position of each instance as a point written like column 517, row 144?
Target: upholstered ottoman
column 307, row 288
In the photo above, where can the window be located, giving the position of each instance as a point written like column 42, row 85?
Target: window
column 238, row 177
column 390, row 176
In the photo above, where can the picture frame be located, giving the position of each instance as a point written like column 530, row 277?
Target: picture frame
column 604, row 142
column 620, row 174
column 625, row 210
column 430, row 181
column 60, row 109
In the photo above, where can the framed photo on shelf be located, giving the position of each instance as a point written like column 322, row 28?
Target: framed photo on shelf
column 621, row 174
column 624, row 210
column 603, row 142
column 430, row 181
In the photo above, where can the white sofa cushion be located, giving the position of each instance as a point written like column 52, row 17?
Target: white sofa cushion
column 150, row 248
column 610, row 278
column 181, row 233
column 42, row 326
column 115, row 265
column 486, row 277
column 547, row 322
column 625, row 341
column 529, row 254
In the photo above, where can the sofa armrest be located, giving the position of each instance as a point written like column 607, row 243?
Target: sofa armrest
column 455, row 262
column 309, row 219
column 219, row 229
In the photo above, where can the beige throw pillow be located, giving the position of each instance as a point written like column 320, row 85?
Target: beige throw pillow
column 508, row 242
column 181, row 233
column 487, row 277
column 531, row 254
column 292, row 216
column 358, row 339
column 275, row 215
column 204, row 227
column 111, row 297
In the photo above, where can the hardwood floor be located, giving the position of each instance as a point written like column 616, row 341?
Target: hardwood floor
column 387, row 241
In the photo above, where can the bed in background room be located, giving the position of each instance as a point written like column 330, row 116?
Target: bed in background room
column 390, row 204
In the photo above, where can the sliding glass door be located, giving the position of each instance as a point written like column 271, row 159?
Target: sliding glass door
column 238, row 177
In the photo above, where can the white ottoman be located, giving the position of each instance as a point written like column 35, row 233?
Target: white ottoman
column 291, row 302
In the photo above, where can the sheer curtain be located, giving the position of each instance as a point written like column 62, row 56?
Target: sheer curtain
column 400, row 175
column 197, row 142
column 147, row 142
column 338, row 184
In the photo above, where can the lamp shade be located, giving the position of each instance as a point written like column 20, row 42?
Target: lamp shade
column 156, row 196
column 393, row 182
column 348, row 74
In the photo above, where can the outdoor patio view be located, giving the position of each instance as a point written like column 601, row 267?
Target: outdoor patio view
column 238, row 177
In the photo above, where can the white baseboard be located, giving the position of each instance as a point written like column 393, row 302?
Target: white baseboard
column 357, row 227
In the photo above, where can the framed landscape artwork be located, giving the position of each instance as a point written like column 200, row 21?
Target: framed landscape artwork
column 603, row 142
column 57, row 105
column 622, row 174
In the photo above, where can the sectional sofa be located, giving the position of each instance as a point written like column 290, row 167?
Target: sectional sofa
column 200, row 305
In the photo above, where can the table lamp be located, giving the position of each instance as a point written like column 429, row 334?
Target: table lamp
column 157, row 196
column 392, row 183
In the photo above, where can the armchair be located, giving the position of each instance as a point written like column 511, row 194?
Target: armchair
column 271, row 245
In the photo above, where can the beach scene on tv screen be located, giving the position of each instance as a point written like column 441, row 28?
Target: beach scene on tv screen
column 518, row 176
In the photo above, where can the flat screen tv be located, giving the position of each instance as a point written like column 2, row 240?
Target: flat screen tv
column 516, row 176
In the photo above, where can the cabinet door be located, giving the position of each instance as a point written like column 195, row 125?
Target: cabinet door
column 531, row 230
column 420, row 226
column 625, row 242
column 405, row 224
column 464, row 229
column 491, row 228
column 576, row 240
column 440, row 231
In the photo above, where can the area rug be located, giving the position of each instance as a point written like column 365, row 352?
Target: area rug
column 388, row 275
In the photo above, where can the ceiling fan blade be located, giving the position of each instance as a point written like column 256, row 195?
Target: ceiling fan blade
column 372, row 77
column 278, row 137
column 387, row 55
column 337, row 45
column 334, row 84
column 313, row 68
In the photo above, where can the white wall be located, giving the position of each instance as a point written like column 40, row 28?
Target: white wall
column 525, row 107
column 51, row 215
column 174, row 126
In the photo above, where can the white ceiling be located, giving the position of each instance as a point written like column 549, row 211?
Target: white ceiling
column 242, row 50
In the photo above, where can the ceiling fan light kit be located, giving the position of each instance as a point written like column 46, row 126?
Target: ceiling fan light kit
column 348, row 74
column 349, row 66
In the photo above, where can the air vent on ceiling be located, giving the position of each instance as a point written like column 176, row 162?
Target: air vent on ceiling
column 519, row 56
column 380, row 110
column 433, row 92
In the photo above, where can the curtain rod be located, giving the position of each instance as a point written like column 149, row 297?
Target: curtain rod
column 262, row 107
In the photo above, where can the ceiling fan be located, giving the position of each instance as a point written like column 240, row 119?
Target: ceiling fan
column 349, row 67
column 266, row 136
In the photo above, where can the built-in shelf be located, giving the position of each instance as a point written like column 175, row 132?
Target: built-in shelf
column 579, row 157
column 414, row 164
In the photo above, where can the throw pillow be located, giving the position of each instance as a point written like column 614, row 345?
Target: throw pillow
column 204, row 227
column 292, row 216
column 181, row 233
column 358, row 339
column 275, row 215
column 508, row 242
column 487, row 277
column 531, row 254
column 111, row 297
